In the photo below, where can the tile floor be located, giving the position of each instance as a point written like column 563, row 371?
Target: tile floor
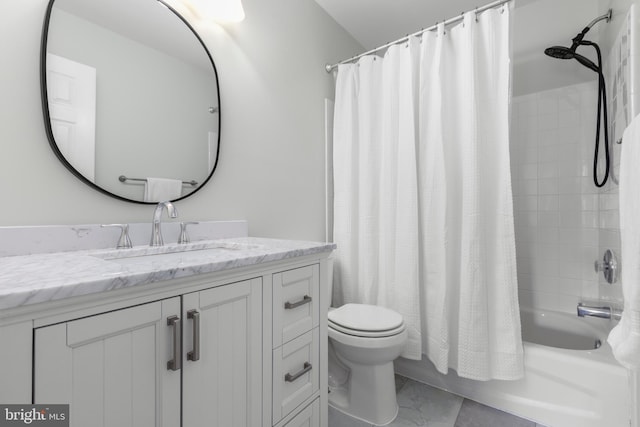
column 424, row 406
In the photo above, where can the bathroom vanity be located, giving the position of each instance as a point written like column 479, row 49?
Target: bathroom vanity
column 224, row 332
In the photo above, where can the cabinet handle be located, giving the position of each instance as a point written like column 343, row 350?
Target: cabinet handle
column 194, row 355
column 176, row 363
column 290, row 305
column 291, row 378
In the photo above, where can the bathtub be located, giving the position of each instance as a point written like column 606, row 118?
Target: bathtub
column 571, row 378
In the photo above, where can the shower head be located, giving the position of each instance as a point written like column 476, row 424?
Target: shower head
column 561, row 52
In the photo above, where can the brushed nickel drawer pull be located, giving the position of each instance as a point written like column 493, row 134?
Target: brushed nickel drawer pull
column 291, row 378
column 194, row 355
column 291, row 305
column 176, row 363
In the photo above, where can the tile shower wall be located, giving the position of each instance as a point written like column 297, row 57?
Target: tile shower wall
column 558, row 210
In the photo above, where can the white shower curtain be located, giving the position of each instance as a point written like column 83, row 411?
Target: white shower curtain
column 423, row 214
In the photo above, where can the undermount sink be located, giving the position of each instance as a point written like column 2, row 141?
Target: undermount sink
column 175, row 253
column 172, row 257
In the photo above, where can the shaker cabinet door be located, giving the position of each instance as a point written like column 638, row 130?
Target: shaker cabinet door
column 112, row 368
column 222, row 371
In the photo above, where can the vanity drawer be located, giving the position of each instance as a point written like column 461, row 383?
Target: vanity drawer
column 296, row 372
column 295, row 298
column 308, row 417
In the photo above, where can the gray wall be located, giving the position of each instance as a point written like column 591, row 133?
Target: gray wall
column 272, row 87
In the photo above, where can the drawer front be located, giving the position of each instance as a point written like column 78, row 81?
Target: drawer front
column 296, row 372
column 308, row 417
column 295, row 297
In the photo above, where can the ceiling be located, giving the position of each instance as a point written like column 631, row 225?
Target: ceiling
column 377, row 22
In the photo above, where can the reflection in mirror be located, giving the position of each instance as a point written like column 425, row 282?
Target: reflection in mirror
column 130, row 91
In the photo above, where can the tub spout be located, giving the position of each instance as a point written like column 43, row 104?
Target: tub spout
column 605, row 312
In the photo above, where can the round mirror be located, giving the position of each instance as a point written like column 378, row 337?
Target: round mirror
column 130, row 98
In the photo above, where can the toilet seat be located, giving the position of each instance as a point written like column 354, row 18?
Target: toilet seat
column 367, row 321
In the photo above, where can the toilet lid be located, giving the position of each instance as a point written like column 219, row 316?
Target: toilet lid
column 365, row 334
column 365, row 318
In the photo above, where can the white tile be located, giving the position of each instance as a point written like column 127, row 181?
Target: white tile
column 548, row 186
column 529, row 154
column 609, row 202
column 548, row 235
column 547, row 122
column 569, row 234
column 549, row 139
column 547, row 170
column 571, row 270
column 569, row 185
column 569, row 101
column 528, row 107
column 528, row 171
column 548, row 219
column 609, row 219
column 546, row 154
column 570, row 202
column 569, row 118
column 547, row 203
column 548, row 105
column 570, row 218
column 590, row 202
column 590, row 236
column 569, row 136
column 590, row 219
column 527, row 234
column 609, row 238
column 526, row 203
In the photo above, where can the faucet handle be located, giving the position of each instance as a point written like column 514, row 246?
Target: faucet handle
column 124, row 242
column 184, row 237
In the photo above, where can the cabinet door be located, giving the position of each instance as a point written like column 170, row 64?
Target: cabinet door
column 111, row 368
column 223, row 387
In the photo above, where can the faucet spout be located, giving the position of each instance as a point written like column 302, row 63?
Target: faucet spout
column 605, row 312
column 156, row 232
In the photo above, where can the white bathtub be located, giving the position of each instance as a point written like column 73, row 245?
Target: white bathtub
column 567, row 383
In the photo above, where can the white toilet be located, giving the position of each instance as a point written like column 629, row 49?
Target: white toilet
column 363, row 342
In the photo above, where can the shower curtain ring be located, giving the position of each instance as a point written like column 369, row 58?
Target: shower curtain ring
column 476, row 14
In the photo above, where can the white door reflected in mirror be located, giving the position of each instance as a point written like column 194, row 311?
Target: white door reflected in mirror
column 71, row 92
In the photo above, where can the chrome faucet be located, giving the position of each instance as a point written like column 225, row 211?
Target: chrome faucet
column 156, row 233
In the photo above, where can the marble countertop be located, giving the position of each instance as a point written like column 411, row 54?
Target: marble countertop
column 32, row 279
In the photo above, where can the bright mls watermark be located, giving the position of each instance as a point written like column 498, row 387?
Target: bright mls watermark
column 34, row 415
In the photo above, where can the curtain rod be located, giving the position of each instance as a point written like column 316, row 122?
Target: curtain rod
column 492, row 5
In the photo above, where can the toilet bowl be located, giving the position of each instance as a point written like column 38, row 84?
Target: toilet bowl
column 364, row 340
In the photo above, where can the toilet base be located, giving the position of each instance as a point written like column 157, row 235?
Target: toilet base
column 355, row 398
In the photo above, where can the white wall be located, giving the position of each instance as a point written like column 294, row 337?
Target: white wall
column 273, row 87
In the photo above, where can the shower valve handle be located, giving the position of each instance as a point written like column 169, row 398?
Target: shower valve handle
column 608, row 266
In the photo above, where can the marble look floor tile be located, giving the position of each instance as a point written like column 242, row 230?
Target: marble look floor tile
column 422, row 405
column 425, row 406
column 338, row 419
column 473, row 414
column 400, row 382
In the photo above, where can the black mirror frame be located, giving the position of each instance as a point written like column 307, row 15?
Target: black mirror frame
column 47, row 117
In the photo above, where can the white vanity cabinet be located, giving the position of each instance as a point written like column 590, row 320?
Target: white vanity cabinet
column 222, row 356
column 235, row 348
column 296, row 340
column 111, row 368
column 134, row 367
